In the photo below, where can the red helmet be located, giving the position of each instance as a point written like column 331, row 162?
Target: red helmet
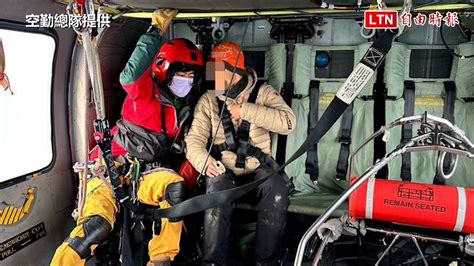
column 176, row 55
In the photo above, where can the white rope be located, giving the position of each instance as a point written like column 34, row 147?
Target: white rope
column 407, row 4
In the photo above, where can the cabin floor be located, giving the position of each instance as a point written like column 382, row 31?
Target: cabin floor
column 348, row 250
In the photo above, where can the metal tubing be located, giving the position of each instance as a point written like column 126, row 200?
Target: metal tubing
column 418, row 143
column 409, row 235
column 419, row 250
column 421, row 119
column 343, row 197
column 387, row 250
column 321, row 248
column 93, row 65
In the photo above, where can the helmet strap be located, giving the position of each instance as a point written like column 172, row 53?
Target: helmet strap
column 234, row 91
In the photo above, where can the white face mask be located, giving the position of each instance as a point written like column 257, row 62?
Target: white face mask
column 181, row 86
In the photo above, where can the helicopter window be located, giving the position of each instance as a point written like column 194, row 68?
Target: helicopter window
column 430, row 63
column 256, row 60
column 25, row 107
column 333, row 64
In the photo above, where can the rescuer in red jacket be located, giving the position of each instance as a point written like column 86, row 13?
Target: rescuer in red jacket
column 160, row 79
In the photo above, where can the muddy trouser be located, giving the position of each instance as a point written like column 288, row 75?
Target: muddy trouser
column 98, row 217
column 272, row 207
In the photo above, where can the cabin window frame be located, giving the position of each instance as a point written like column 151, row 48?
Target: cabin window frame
column 21, row 27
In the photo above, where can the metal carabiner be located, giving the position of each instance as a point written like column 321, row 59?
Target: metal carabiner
column 218, row 32
column 453, row 163
column 381, row 5
column 73, row 9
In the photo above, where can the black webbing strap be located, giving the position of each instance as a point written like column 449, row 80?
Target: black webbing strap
column 345, row 140
column 251, row 151
column 311, row 164
column 287, row 92
column 468, row 99
column 247, row 149
column 373, row 58
column 244, row 131
column 449, row 101
column 409, row 96
column 208, row 201
column 104, row 141
column 448, row 114
column 228, row 126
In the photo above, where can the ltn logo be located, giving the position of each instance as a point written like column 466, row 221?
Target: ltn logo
column 377, row 19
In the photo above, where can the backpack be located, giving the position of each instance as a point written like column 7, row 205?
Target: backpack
column 140, row 142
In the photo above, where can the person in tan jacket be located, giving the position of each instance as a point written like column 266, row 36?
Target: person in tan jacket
column 241, row 152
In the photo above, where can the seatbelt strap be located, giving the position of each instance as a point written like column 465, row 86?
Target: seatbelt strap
column 287, row 93
column 449, row 101
column 409, row 96
column 244, row 130
column 243, row 137
column 448, row 114
column 356, row 81
column 312, row 166
column 229, row 130
column 345, row 140
column 207, row 201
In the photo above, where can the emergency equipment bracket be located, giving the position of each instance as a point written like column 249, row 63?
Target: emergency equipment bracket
column 207, row 28
column 203, row 30
column 297, row 29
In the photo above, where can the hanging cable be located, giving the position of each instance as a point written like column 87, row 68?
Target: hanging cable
column 450, row 50
column 406, row 8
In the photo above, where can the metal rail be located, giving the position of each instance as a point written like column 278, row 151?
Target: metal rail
column 435, row 134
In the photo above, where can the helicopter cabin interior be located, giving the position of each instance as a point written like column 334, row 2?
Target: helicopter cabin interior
column 305, row 55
